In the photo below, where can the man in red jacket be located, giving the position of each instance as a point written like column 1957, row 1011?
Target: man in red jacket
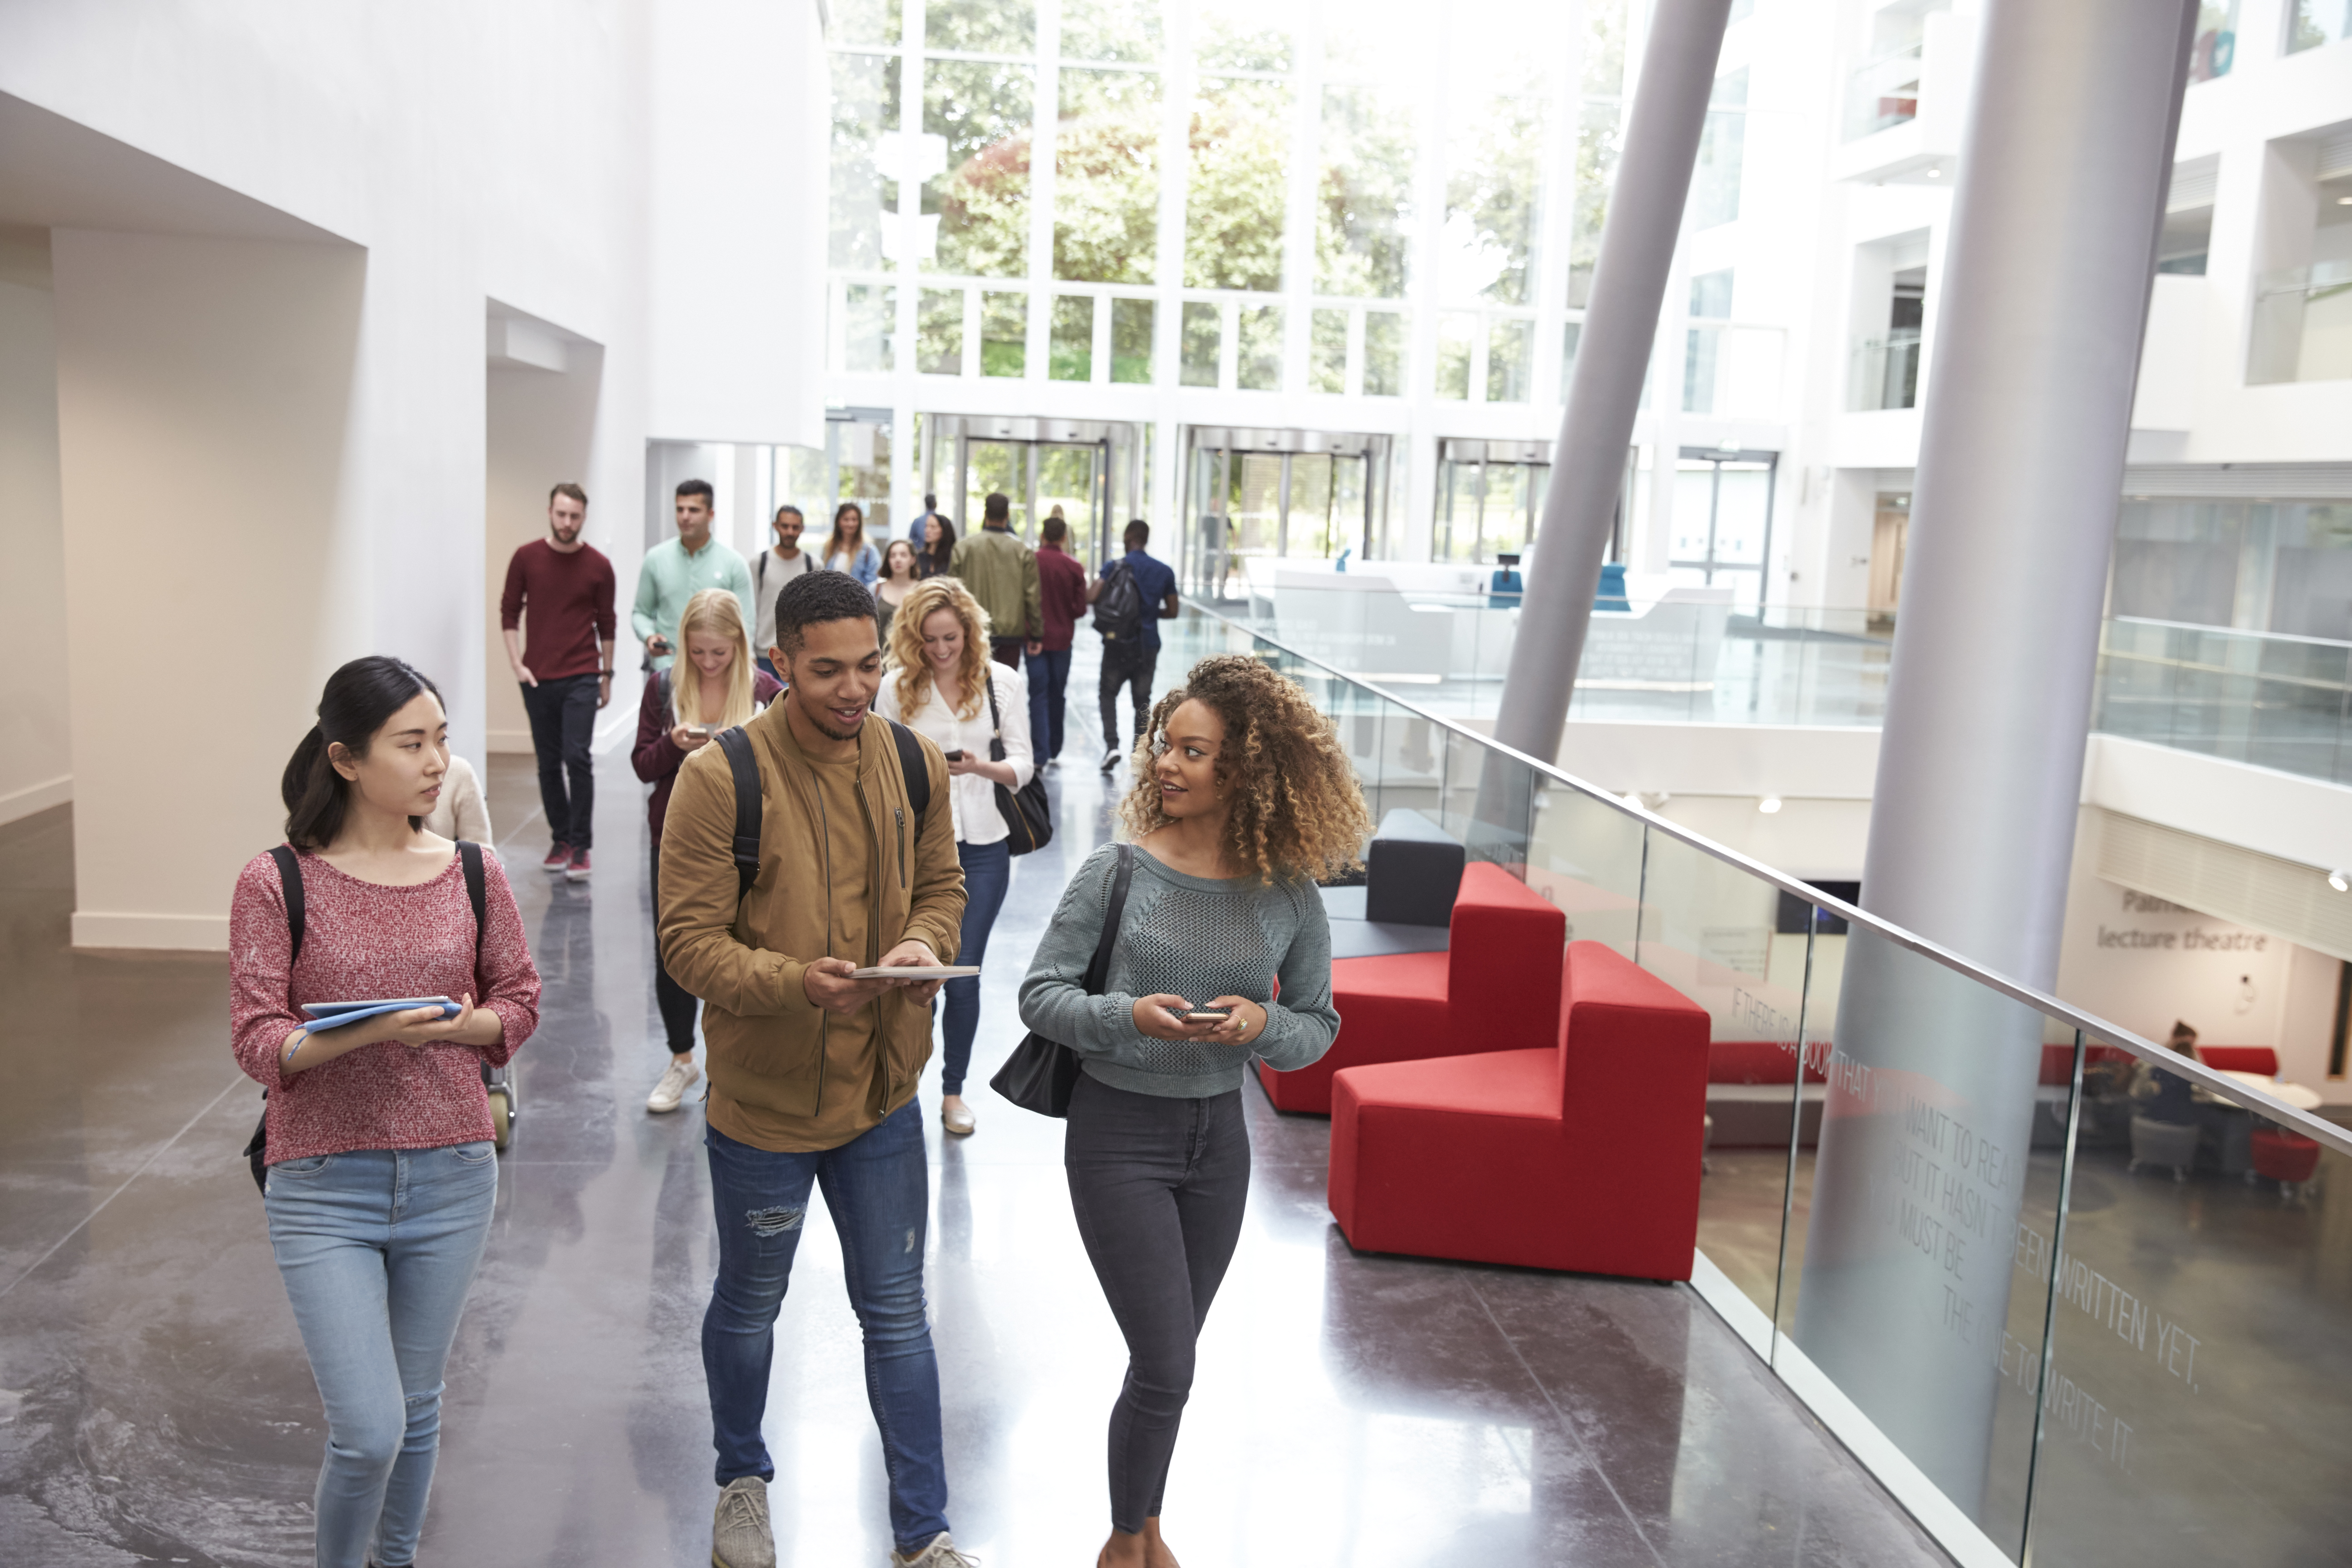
column 566, row 669
column 1061, row 588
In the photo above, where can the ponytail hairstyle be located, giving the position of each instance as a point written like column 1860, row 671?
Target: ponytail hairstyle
column 360, row 698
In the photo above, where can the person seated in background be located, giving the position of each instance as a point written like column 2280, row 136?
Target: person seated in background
column 461, row 811
column 2163, row 1096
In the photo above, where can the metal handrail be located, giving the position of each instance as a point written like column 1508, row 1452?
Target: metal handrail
column 2093, row 1026
column 2227, row 631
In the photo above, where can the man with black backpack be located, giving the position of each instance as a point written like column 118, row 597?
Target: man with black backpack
column 1134, row 594
column 812, row 843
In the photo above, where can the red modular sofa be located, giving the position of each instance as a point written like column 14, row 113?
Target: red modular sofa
column 1581, row 1155
column 1490, row 990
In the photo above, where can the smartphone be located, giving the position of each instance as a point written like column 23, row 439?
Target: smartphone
column 954, row 756
column 661, row 644
column 1210, row 1013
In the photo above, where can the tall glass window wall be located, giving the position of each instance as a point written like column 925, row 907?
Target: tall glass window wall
column 1361, row 200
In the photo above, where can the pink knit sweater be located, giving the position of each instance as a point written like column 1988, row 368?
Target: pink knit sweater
column 363, row 941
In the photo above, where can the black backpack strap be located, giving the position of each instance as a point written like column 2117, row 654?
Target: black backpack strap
column 1099, row 971
column 469, row 855
column 289, row 877
column 746, row 769
column 916, row 772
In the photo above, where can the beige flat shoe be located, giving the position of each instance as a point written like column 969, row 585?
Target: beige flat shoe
column 955, row 1116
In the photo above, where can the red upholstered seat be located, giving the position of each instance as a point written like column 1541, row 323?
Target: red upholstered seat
column 1487, row 991
column 1583, row 1156
column 2240, row 1058
column 2284, row 1156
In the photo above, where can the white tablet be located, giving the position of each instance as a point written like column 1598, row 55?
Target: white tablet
column 915, row 972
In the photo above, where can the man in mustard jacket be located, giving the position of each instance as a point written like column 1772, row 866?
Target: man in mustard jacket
column 813, row 1072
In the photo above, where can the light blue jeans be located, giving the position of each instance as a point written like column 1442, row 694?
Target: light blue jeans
column 377, row 1247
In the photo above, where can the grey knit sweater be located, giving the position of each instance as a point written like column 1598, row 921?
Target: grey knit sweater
column 1197, row 938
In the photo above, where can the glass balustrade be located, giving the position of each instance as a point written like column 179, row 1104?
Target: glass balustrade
column 2264, row 698
column 2302, row 324
column 2269, row 699
column 1942, row 1209
column 1883, row 93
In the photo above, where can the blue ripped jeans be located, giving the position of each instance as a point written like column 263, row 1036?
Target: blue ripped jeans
column 878, row 1189
column 377, row 1247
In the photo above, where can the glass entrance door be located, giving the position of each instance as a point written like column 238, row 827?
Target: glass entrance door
column 1723, row 521
column 1490, row 495
column 1262, row 496
column 1091, row 471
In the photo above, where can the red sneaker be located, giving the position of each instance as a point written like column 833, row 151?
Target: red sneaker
column 578, row 871
column 559, row 856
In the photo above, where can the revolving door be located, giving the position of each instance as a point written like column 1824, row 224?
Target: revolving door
column 1256, row 497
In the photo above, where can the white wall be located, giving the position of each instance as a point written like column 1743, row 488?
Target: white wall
column 277, row 228
column 738, row 271
column 209, row 383
column 36, row 760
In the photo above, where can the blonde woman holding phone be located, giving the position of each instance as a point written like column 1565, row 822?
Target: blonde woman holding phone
column 941, row 683
column 714, row 686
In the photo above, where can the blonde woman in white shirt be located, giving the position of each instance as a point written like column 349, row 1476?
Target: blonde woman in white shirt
column 940, row 682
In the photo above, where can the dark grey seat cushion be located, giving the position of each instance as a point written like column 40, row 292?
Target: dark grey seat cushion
column 1412, row 872
column 1353, row 936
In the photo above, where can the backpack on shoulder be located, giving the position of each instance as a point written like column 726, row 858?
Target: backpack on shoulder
column 289, row 879
column 745, row 768
column 1118, row 604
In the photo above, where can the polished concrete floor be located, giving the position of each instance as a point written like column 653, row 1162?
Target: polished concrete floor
column 155, row 1407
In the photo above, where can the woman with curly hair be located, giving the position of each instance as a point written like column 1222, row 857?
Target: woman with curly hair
column 1247, row 801
column 941, row 683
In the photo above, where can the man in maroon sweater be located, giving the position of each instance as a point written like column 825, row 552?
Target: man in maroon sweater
column 566, row 671
column 1062, row 591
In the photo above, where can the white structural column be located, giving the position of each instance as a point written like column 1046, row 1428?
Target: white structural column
column 2063, row 179
column 1621, row 322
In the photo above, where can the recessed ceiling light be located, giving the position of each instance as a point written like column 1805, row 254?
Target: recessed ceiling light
column 1769, row 804
column 1935, row 173
column 2343, row 200
column 2340, row 880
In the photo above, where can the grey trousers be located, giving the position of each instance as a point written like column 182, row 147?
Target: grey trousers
column 1159, row 1186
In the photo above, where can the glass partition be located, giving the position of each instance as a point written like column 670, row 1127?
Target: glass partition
column 2072, row 1299
column 2201, row 1386
column 1709, row 928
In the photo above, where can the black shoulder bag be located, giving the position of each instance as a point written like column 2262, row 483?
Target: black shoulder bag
column 1028, row 814
column 1040, row 1073
column 289, row 879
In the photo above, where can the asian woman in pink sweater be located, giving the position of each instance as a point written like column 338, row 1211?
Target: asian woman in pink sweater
column 381, row 1170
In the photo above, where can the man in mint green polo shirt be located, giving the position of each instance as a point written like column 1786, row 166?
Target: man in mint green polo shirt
column 676, row 570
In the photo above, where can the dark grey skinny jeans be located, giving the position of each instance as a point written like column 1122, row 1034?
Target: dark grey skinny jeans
column 1159, row 1186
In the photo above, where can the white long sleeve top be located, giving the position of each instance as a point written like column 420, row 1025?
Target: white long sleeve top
column 972, row 797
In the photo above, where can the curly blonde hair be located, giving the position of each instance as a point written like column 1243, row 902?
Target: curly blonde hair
column 1298, row 807
column 931, row 595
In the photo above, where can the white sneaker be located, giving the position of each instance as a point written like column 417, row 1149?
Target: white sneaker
column 940, row 1553
column 672, row 1088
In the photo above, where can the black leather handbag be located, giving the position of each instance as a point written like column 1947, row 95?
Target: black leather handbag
column 1028, row 814
column 1040, row 1073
